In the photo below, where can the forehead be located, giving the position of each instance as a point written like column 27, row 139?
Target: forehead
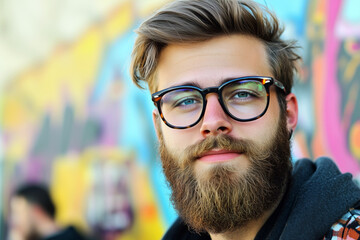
column 208, row 63
column 19, row 204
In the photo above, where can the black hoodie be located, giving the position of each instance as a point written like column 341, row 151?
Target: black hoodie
column 69, row 233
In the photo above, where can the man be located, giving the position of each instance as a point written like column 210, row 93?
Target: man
column 221, row 79
column 33, row 216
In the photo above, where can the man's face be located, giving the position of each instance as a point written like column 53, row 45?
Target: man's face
column 22, row 219
column 223, row 173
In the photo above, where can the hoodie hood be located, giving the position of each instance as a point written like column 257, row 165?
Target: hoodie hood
column 318, row 195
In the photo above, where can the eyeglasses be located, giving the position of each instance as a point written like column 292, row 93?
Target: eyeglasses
column 243, row 99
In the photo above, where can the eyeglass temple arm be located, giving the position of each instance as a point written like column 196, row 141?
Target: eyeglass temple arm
column 279, row 85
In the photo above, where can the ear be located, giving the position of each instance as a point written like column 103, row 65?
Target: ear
column 291, row 111
column 156, row 122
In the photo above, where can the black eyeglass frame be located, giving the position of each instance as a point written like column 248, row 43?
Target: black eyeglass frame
column 266, row 81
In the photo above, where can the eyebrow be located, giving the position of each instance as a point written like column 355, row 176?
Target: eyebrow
column 195, row 84
column 188, row 83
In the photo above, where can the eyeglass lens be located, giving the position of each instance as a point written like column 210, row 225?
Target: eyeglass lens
column 242, row 99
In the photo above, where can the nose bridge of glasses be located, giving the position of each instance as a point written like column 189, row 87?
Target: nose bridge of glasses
column 212, row 91
column 208, row 90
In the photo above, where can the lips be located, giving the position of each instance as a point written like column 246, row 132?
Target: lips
column 218, row 156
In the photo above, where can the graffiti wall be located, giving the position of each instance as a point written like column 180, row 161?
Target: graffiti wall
column 328, row 87
column 75, row 121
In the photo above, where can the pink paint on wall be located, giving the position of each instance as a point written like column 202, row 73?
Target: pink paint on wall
column 334, row 130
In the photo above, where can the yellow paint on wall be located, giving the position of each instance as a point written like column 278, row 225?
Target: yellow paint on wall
column 72, row 181
column 70, row 72
column 319, row 14
column 355, row 140
column 68, row 189
column 15, row 113
column 146, row 7
column 67, row 76
column 148, row 224
column 121, row 20
column 16, row 150
column 351, row 68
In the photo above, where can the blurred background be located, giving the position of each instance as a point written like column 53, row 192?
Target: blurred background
column 71, row 117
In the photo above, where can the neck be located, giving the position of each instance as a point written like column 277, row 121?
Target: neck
column 249, row 231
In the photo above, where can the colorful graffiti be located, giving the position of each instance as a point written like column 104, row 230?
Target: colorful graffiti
column 64, row 124
column 77, row 122
column 333, row 76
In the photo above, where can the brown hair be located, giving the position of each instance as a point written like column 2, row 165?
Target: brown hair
column 186, row 21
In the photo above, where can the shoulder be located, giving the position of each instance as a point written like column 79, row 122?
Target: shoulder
column 347, row 227
column 180, row 231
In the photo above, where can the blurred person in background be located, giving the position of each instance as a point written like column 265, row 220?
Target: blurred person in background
column 221, row 76
column 32, row 216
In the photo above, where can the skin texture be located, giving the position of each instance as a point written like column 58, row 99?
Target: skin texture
column 207, row 64
column 21, row 224
column 28, row 221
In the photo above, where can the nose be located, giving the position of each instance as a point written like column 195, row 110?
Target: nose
column 215, row 120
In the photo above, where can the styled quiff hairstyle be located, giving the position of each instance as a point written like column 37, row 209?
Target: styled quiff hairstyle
column 190, row 21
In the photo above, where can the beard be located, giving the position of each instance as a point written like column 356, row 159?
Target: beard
column 226, row 199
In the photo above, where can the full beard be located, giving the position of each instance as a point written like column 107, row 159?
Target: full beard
column 226, row 199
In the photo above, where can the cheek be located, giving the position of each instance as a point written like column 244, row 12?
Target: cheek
column 177, row 140
column 261, row 130
column 22, row 223
column 270, row 123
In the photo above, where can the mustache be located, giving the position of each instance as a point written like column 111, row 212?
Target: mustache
column 223, row 142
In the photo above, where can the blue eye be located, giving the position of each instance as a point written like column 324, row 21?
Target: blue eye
column 242, row 95
column 186, row 102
